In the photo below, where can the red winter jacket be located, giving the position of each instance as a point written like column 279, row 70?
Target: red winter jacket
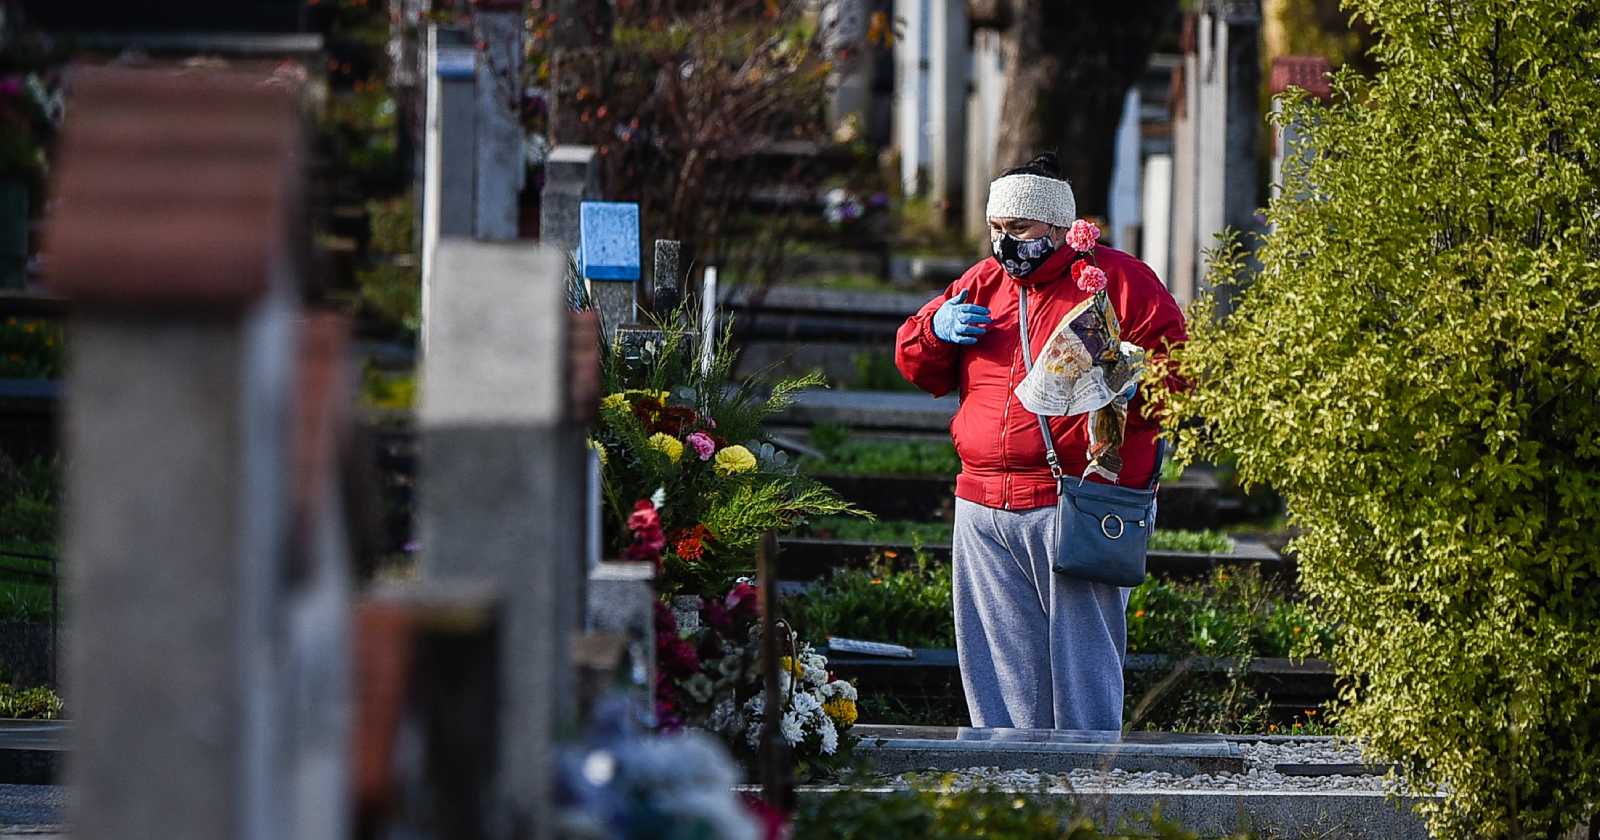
column 1001, row 449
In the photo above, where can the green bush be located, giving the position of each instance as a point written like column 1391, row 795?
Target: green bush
column 32, row 703
column 31, row 348
column 1415, row 367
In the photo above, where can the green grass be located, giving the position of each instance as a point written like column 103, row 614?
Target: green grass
column 1235, row 612
column 907, row 458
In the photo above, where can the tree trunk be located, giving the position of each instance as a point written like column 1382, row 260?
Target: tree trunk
column 1068, row 67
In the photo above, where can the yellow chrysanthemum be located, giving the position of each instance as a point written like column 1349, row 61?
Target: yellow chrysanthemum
column 599, row 449
column 667, row 445
column 842, row 711
column 797, row 670
column 612, row 401
column 734, row 459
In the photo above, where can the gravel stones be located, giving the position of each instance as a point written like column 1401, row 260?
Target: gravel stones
column 1261, row 759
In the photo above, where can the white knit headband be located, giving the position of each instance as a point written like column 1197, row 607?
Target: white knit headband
column 1032, row 197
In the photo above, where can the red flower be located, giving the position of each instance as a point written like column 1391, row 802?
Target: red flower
column 742, row 602
column 644, row 516
column 690, row 543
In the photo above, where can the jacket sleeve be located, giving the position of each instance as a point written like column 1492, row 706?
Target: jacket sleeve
column 1152, row 319
column 923, row 358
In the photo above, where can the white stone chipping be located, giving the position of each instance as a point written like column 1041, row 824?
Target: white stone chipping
column 1261, row 759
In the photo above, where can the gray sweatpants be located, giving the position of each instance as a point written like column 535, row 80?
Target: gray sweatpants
column 1038, row 650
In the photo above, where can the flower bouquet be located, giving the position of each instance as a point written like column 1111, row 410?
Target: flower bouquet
column 710, row 678
column 1085, row 367
column 688, row 474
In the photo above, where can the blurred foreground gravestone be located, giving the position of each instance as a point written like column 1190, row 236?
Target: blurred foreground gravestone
column 501, row 485
column 202, row 534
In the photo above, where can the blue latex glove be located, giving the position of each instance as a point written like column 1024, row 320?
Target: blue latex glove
column 960, row 323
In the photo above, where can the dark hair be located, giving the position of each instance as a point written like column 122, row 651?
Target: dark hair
column 1045, row 164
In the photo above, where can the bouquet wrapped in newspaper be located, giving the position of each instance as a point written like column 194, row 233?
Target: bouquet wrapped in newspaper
column 1085, row 367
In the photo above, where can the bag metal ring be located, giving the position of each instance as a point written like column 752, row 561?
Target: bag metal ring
column 1122, row 527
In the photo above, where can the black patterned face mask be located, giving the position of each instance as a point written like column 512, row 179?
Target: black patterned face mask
column 1019, row 257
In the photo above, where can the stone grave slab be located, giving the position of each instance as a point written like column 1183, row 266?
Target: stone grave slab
column 898, row 749
column 31, row 751
column 608, row 259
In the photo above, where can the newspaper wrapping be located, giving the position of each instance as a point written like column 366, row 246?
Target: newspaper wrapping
column 1085, row 367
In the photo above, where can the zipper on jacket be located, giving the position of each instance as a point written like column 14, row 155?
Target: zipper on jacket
column 1005, row 422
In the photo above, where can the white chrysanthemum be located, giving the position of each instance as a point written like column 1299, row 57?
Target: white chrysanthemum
column 725, row 717
column 814, row 660
column 815, row 677
column 842, row 688
column 791, row 729
column 755, row 705
column 806, row 705
column 830, row 736
column 699, row 687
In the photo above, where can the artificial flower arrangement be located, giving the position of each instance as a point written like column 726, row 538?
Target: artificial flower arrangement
column 688, row 475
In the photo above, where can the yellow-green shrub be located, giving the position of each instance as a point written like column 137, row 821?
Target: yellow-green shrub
column 1415, row 365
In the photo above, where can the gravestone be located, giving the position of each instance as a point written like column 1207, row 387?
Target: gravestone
column 608, row 261
column 1155, row 243
column 1184, row 98
column 449, row 176
column 499, row 158
column 948, row 50
column 622, row 600
column 911, row 94
column 207, row 618
column 845, row 24
column 500, row 486
column 1229, row 52
column 571, row 177
column 1309, row 73
column 667, row 277
column 1123, row 207
column 983, row 120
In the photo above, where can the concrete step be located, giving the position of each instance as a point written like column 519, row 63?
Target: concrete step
column 899, row 749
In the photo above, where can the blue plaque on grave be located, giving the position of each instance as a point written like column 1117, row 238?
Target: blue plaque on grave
column 609, row 241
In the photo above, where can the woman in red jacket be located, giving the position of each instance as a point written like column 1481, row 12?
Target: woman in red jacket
column 1037, row 649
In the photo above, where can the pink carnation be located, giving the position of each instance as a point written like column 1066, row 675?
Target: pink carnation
column 1083, row 235
column 1091, row 278
column 702, row 444
column 644, row 516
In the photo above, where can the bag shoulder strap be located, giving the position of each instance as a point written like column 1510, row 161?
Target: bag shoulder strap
column 1044, row 425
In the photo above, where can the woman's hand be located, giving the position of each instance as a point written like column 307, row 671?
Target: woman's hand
column 960, row 323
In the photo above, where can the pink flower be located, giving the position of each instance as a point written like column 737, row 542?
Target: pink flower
column 702, row 444
column 1090, row 278
column 644, row 516
column 1083, row 235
